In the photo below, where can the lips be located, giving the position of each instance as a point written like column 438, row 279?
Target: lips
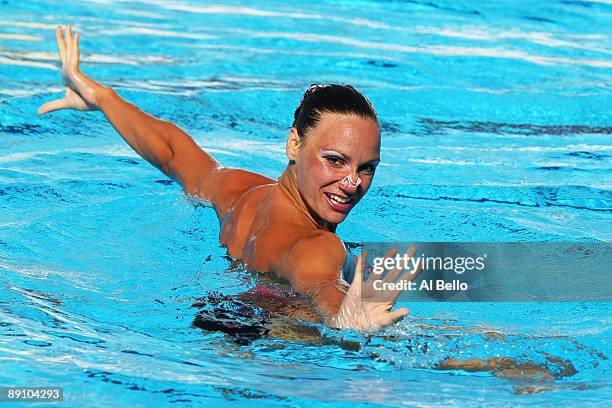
column 339, row 203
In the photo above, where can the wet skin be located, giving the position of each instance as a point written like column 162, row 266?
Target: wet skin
column 271, row 229
column 262, row 226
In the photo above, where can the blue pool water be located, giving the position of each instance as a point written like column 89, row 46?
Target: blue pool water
column 496, row 127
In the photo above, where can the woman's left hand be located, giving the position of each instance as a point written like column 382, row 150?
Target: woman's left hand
column 366, row 308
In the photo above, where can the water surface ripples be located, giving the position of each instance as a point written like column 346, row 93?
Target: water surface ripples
column 496, row 127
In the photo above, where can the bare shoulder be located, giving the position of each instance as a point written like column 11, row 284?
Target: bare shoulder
column 322, row 252
column 232, row 183
column 324, row 242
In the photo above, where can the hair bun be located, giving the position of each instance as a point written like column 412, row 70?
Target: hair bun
column 337, row 98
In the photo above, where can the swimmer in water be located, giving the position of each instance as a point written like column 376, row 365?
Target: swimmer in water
column 286, row 227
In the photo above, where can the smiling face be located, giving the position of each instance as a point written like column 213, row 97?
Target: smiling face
column 338, row 152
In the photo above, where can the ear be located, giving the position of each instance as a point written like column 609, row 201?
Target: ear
column 293, row 144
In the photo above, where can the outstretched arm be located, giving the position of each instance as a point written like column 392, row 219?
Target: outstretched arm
column 161, row 143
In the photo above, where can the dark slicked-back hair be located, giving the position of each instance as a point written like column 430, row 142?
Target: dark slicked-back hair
column 332, row 98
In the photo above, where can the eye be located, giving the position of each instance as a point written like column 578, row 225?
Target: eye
column 367, row 169
column 335, row 161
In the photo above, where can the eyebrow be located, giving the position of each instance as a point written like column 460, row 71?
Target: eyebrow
column 347, row 157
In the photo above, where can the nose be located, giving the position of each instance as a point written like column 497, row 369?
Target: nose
column 350, row 183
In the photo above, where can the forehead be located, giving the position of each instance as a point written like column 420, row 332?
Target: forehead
column 346, row 132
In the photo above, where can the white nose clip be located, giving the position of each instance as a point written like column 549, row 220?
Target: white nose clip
column 348, row 181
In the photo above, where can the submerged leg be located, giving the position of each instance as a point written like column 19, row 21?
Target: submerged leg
column 500, row 367
column 528, row 378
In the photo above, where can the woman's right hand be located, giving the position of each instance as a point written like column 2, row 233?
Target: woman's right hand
column 366, row 308
column 81, row 91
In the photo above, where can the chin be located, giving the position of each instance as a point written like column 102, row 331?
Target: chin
column 335, row 217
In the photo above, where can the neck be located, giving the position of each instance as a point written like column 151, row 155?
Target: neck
column 288, row 184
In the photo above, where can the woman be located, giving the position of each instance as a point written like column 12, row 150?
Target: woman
column 285, row 227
